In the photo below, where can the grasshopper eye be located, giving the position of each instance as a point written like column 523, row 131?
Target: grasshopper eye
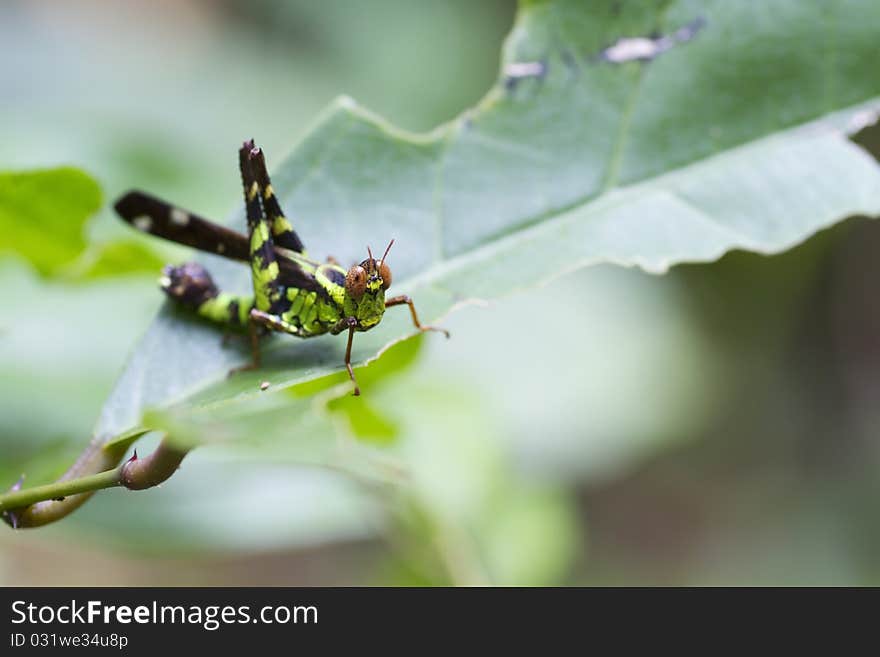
column 385, row 275
column 356, row 281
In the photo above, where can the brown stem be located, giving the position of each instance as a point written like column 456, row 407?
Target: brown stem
column 41, row 505
column 138, row 474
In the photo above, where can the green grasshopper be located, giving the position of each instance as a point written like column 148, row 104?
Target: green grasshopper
column 291, row 293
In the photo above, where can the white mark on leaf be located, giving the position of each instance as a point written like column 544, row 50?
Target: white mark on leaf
column 861, row 120
column 644, row 49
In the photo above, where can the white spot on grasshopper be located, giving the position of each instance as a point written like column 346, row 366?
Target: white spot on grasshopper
column 178, row 217
column 264, row 385
column 143, row 223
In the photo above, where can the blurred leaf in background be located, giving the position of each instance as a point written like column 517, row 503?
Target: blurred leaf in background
column 43, row 215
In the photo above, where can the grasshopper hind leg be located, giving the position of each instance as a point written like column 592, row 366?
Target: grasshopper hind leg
column 282, row 230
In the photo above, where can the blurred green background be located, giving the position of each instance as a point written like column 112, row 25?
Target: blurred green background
column 716, row 425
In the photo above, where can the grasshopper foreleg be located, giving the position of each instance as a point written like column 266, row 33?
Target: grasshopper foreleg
column 405, row 299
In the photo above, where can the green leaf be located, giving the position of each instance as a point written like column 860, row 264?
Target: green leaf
column 114, row 258
column 43, row 213
column 735, row 138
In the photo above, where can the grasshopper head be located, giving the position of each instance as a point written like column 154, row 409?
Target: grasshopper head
column 365, row 286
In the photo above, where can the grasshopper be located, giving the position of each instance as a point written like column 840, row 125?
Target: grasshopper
column 291, row 292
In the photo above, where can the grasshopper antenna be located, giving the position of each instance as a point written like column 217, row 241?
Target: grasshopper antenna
column 385, row 255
